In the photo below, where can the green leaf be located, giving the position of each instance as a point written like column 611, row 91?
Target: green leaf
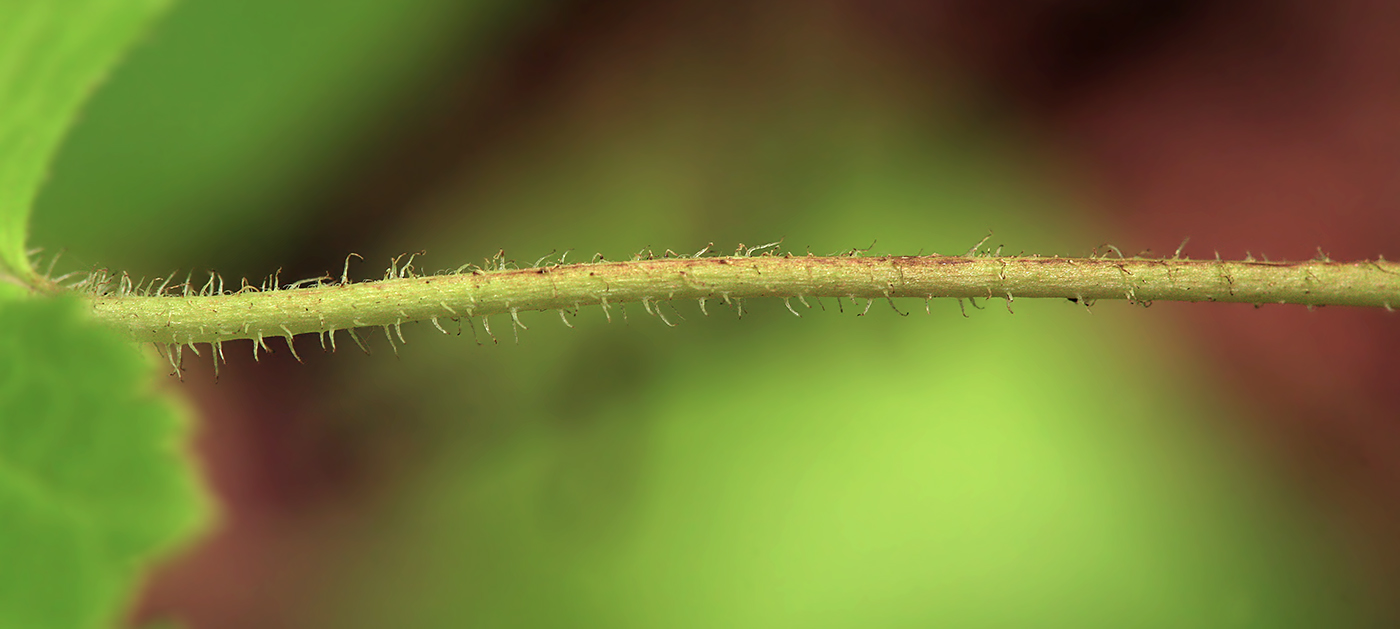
column 93, row 480
column 10, row 291
column 52, row 54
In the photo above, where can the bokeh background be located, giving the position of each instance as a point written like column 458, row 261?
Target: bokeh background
column 1185, row 465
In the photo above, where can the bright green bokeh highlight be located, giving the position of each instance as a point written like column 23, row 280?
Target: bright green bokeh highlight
column 839, row 472
column 93, row 481
column 52, row 55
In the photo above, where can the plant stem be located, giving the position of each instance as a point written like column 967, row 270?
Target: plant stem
column 253, row 314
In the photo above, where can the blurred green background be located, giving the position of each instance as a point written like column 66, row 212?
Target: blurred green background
column 1047, row 468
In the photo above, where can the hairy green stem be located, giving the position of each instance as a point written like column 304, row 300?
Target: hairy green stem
column 252, row 314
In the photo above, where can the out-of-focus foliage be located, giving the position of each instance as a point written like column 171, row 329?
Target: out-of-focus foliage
column 92, row 484
column 93, row 481
column 216, row 130
column 52, row 55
